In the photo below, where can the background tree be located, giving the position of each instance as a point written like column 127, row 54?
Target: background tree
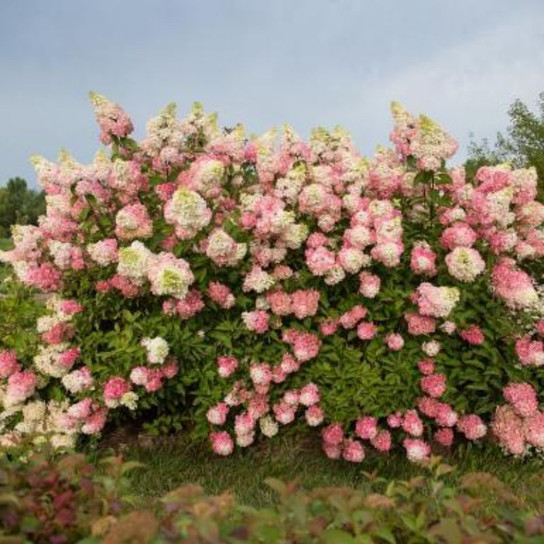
column 522, row 144
column 19, row 205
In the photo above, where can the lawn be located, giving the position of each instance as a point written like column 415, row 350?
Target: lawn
column 174, row 461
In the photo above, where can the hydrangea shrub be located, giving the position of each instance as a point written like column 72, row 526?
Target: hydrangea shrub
column 237, row 285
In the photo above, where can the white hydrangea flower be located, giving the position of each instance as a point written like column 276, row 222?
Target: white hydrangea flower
column 188, row 211
column 169, row 276
column 465, row 264
column 223, row 250
column 157, row 349
column 133, row 261
column 431, row 348
column 129, row 400
column 47, row 360
column 268, row 426
column 258, row 280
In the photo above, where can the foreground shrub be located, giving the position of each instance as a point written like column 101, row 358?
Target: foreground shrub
column 238, row 285
column 65, row 500
column 54, row 500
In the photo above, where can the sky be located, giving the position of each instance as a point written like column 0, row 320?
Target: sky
column 263, row 63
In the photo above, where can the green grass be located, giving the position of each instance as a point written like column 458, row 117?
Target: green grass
column 175, row 462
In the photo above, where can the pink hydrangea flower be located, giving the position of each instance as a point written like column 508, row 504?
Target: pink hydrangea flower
column 95, row 422
column 222, row 443
column 226, row 365
column 258, row 406
column 530, row 352
column 217, row 415
column 472, row 426
column 394, row 420
column 133, row 222
column 446, row 415
column 412, row 424
column 513, row 285
column 278, row 374
column 419, row 324
column 507, row 427
column 353, row 451
column 284, row 413
column 190, row 305
column 68, row 357
column 428, row 406
column 473, row 335
column 332, row 451
column 314, row 415
column 112, row 119
column 370, row 284
column 8, row 363
column 426, row 366
column 320, row 260
column 114, row 389
column 280, row 303
column 21, row 386
column 78, row 380
column 444, row 437
column 382, row 441
column 349, row 319
column 533, row 429
column 221, row 295
column 289, row 364
column 256, row 321
column 366, row 330
column 309, row 395
column 417, row 450
column 436, row 301
column 394, row 341
column 423, row 259
column 366, row 427
column 45, row 277
column 522, row 397
column 244, row 423
column 305, row 345
column 58, row 334
column 329, row 327
column 434, row 385
column 458, row 235
column 260, row 373
column 305, row 303
column 80, row 410
column 70, row 307
column 169, row 369
column 333, row 435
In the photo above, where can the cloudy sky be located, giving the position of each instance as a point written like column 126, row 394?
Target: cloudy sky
column 262, row 62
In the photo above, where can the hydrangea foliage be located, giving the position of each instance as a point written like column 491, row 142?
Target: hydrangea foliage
column 238, row 285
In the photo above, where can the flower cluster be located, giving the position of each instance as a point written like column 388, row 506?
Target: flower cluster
column 285, row 270
column 519, row 424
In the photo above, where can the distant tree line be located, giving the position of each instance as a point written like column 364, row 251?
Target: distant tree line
column 19, row 205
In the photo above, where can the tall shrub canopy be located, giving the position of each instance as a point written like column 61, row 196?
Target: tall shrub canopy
column 235, row 285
